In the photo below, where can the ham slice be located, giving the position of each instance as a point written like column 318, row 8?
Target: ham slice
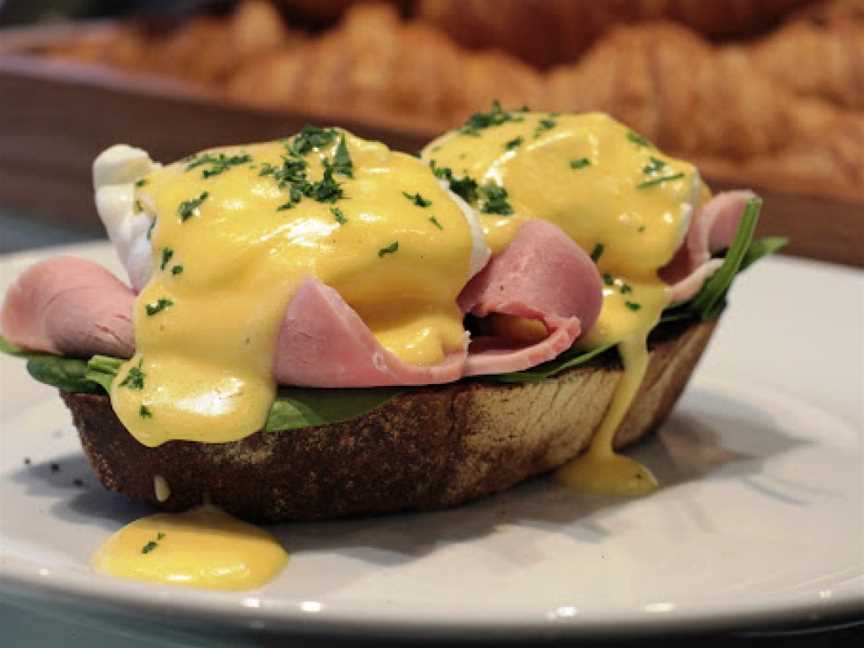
column 712, row 230
column 324, row 343
column 69, row 306
column 542, row 275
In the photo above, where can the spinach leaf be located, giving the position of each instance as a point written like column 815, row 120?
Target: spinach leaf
column 567, row 360
column 68, row 374
column 298, row 408
column 102, row 370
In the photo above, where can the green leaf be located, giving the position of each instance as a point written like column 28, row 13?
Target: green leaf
column 710, row 300
column 762, row 248
column 103, row 370
column 68, row 374
column 10, row 349
column 567, row 360
column 299, row 408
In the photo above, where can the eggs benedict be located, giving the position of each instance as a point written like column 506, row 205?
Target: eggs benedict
column 320, row 326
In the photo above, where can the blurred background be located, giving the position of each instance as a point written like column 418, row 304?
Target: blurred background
column 760, row 93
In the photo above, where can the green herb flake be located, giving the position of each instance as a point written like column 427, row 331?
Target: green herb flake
column 311, row 137
column 544, row 125
column 390, row 249
column 626, row 289
column 342, row 163
column 417, row 199
column 189, row 208
column 580, row 163
column 435, row 222
column 135, row 377
column 633, row 306
column 638, row 139
column 514, row 143
column 137, row 207
column 597, row 252
column 284, row 206
column 167, row 253
column 495, row 200
column 338, row 215
column 655, row 165
column 495, row 117
column 141, row 182
column 152, row 544
column 608, row 279
column 177, row 269
column 158, row 306
column 144, row 412
column 151, row 228
column 656, row 181
column 326, row 190
column 217, row 164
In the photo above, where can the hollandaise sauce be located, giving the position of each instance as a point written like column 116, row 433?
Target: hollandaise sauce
column 204, row 548
column 619, row 198
column 234, row 233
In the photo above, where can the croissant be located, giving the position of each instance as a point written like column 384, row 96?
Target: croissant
column 547, row 32
column 375, row 64
column 822, row 59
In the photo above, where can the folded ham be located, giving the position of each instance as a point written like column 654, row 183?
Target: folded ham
column 713, row 229
column 69, row 306
column 542, row 275
column 73, row 307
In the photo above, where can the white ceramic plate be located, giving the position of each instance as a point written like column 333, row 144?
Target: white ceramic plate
column 760, row 520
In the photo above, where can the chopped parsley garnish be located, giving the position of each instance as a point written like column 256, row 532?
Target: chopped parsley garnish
column 435, row 222
column 141, row 182
column 292, row 174
column 417, row 199
column 633, row 305
column 167, row 253
column 390, row 249
column 637, row 139
column 150, row 229
column 492, row 198
column 177, row 269
column 495, row 117
column 626, row 288
column 581, row 163
column 144, row 412
column 338, row 215
column 516, row 142
column 656, row 181
column 135, row 378
column 641, row 229
column 654, row 166
column 495, row 200
column 189, row 208
column 597, row 252
column 326, row 189
column 292, row 171
column 152, row 544
column 158, row 306
column 218, row 163
column 311, row 137
column 342, row 163
column 543, row 126
column 608, row 279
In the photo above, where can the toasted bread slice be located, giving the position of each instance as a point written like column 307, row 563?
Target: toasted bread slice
column 432, row 447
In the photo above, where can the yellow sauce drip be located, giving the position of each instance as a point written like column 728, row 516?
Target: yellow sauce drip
column 620, row 199
column 203, row 548
column 206, row 355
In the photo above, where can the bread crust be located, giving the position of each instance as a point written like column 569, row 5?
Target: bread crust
column 430, row 448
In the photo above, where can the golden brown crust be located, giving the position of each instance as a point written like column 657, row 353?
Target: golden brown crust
column 430, row 448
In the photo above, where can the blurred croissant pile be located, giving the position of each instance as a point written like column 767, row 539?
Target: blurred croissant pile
column 761, row 92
